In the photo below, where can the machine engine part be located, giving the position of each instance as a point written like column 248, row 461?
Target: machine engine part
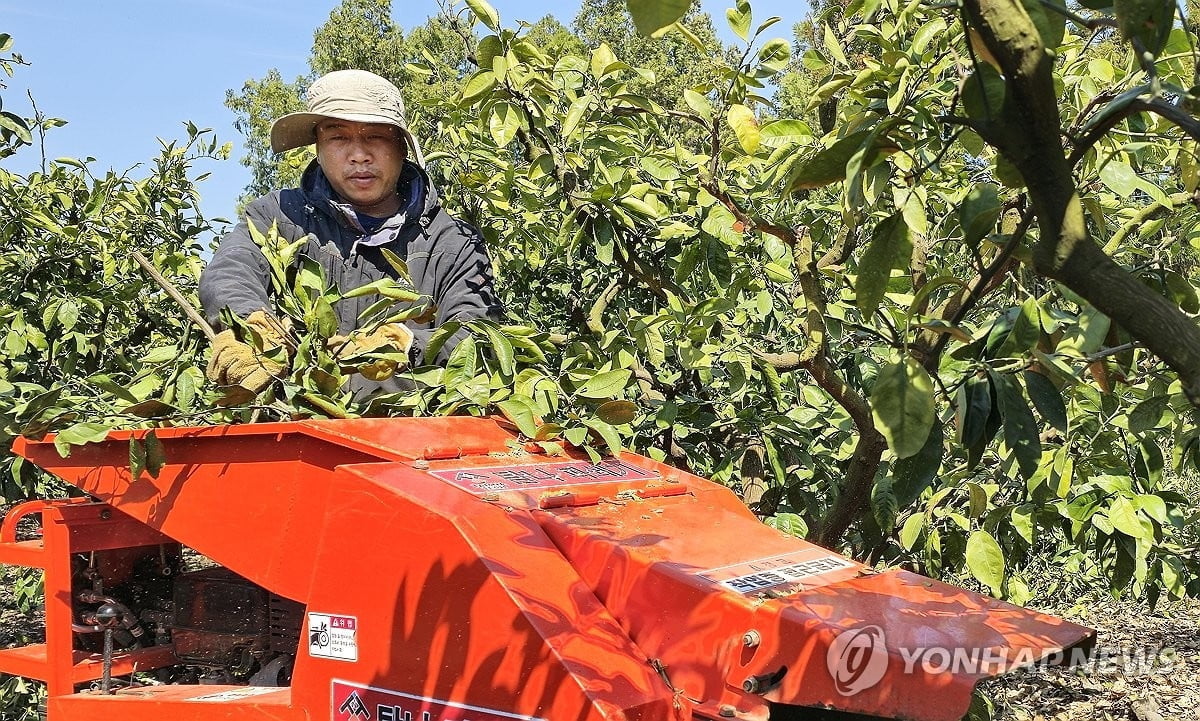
column 224, row 621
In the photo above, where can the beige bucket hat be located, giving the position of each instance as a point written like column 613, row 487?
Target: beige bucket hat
column 355, row 95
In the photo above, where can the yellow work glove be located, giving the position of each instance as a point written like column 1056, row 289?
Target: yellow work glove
column 236, row 363
column 376, row 355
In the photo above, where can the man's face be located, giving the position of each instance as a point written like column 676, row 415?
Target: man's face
column 363, row 163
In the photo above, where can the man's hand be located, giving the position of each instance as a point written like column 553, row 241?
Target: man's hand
column 236, row 363
column 394, row 339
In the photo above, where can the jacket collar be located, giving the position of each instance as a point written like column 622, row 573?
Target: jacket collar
column 418, row 196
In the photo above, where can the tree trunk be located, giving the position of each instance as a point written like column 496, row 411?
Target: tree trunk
column 1028, row 133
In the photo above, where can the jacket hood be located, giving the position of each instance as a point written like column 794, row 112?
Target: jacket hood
column 418, row 196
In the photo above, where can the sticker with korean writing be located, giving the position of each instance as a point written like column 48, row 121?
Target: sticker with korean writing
column 355, row 702
column 799, row 567
column 332, row 636
column 532, row 476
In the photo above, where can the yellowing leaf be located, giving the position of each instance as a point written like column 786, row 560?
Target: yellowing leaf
column 745, row 126
column 486, row 14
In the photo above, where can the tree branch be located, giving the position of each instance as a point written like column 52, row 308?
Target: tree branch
column 1028, row 132
column 1143, row 216
column 1180, row 117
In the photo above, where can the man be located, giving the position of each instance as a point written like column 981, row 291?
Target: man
column 366, row 191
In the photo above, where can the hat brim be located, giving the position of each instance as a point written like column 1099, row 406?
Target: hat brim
column 295, row 130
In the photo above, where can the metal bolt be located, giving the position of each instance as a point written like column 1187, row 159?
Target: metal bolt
column 421, row 464
column 105, row 514
column 750, row 685
column 727, row 712
column 751, row 638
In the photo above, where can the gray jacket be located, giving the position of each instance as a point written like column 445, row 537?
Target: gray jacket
column 446, row 258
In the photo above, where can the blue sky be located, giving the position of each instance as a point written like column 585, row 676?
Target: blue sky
column 126, row 72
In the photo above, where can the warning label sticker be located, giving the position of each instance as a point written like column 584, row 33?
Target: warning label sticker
column 353, row 702
column 797, row 567
column 331, row 636
column 544, row 475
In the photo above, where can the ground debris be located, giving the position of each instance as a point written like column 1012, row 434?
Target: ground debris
column 1146, row 667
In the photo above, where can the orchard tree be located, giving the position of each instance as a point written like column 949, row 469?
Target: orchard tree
column 1090, row 136
column 255, row 108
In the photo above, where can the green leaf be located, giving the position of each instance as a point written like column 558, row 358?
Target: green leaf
column 652, row 17
column 774, row 56
column 1182, row 292
column 137, row 457
column 883, row 504
column 107, row 384
column 1149, row 414
column 1124, row 517
column 461, row 366
column 1120, row 177
column 985, row 560
column 790, row 523
column 326, row 319
column 719, row 264
column 745, row 127
column 1087, row 336
column 612, row 439
column 439, row 339
column 834, row 46
column 1021, row 432
column 68, row 314
column 739, row 19
column 1026, row 330
column 779, row 133
column 605, row 385
column 79, row 434
column 890, row 247
column 602, row 59
column 479, row 85
column 617, row 413
column 983, row 94
column 574, row 116
column 979, row 212
column 502, row 348
column 520, row 410
column 912, row 475
column 1148, row 22
column 487, row 49
column 1022, row 518
column 698, row 103
column 505, row 122
column 974, row 406
column 902, row 405
column 1047, row 399
column 161, row 354
column 486, row 14
column 17, row 126
column 910, row 533
column 156, row 455
column 1049, row 21
column 827, row 166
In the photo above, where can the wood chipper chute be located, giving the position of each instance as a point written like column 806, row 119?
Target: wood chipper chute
column 438, row 569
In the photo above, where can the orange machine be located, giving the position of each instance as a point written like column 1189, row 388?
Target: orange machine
column 438, row 569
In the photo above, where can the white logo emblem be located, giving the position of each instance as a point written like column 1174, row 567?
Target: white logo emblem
column 857, row 659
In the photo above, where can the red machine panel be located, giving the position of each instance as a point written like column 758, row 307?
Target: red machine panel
column 443, row 572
